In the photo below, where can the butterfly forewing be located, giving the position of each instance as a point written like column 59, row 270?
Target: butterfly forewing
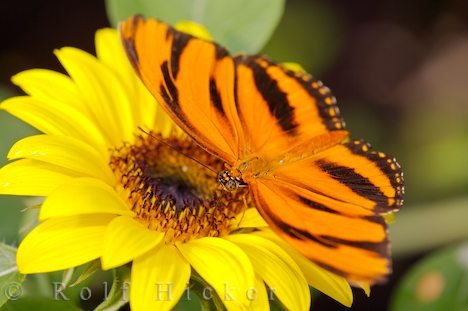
column 280, row 108
column 191, row 78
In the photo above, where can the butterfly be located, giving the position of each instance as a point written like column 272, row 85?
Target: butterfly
column 280, row 133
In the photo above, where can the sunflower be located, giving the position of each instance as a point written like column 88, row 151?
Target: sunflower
column 122, row 184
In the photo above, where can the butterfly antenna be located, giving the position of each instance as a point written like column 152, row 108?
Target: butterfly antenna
column 175, row 148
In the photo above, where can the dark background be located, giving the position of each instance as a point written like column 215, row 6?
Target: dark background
column 399, row 70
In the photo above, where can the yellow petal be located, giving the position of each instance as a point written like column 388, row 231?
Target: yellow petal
column 55, row 118
column 279, row 271
column 366, row 288
column 193, row 29
column 159, row 278
column 83, row 196
column 48, row 85
column 327, row 282
column 224, row 266
column 250, row 218
column 32, row 177
column 125, row 240
column 62, row 243
column 110, row 52
column 66, row 152
column 293, row 66
column 389, row 218
column 258, row 296
column 102, row 91
column 147, row 112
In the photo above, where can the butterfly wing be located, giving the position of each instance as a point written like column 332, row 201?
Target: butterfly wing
column 281, row 109
column 323, row 195
column 232, row 107
column 192, row 79
column 330, row 205
column 328, row 197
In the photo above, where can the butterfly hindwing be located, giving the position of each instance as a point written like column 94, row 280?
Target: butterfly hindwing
column 350, row 172
column 330, row 206
column 355, row 247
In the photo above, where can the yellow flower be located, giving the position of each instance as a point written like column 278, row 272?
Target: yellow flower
column 115, row 192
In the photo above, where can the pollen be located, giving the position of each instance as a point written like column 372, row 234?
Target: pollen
column 170, row 184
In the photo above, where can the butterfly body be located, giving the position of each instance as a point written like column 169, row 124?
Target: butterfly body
column 280, row 133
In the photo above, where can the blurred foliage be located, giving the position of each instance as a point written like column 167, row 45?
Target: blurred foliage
column 399, row 72
column 439, row 282
column 246, row 32
column 11, row 130
column 10, row 278
column 427, row 226
column 40, row 304
column 119, row 293
column 310, row 34
column 436, row 149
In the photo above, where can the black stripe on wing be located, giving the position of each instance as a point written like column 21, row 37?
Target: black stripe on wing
column 326, row 102
column 380, row 249
column 275, row 98
column 389, row 166
column 278, row 102
column 354, row 181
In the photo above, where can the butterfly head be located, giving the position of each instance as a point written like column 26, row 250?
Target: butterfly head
column 229, row 182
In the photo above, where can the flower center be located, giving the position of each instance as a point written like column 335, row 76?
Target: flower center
column 170, row 192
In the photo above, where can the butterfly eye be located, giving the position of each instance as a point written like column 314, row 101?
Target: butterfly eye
column 231, row 185
column 228, row 182
column 222, row 177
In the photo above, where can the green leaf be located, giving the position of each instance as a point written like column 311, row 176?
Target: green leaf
column 40, row 304
column 240, row 25
column 29, row 215
column 67, row 278
column 10, row 278
column 88, row 270
column 409, row 231
column 119, row 293
column 11, row 130
column 438, row 282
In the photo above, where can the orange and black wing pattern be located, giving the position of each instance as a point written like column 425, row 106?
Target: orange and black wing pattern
column 193, row 79
column 330, row 206
column 281, row 109
column 321, row 192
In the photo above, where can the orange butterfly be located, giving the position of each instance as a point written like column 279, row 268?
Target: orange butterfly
column 281, row 133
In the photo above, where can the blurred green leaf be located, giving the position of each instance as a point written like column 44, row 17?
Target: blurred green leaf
column 438, row 282
column 445, row 221
column 88, row 270
column 434, row 142
column 10, row 278
column 118, row 295
column 310, row 33
column 194, row 304
column 240, row 25
column 29, row 215
column 11, row 130
column 39, row 304
column 440, row 164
